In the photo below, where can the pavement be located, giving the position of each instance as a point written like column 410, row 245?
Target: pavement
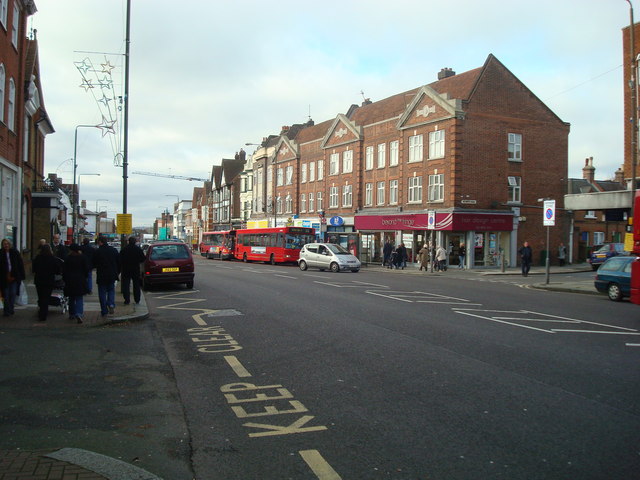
column 69, row 463
column 78, row 464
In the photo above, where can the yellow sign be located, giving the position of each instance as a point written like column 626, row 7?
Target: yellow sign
column 124, row 224
column 628, row 242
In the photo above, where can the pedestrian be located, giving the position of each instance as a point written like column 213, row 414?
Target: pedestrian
column 386, row 254
column 423, row 256
column 526, row 255
column 58, row 248
column 462, row 254
column 45, row 268
column 41, row 243
column 401, row 258
column 441, row 258
column 88, row 251
column 11, row 275
column 107, row 262
column 131, row 256
column 562, row 254
column 74, row 274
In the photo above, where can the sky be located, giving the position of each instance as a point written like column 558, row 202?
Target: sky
column 207, row 77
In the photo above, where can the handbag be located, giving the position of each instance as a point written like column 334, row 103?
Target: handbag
column 23, row 298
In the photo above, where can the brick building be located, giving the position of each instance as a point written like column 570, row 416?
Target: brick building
column 478, row 149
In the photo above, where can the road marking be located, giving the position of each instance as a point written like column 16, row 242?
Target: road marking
column 319, row 465
column 632, row 344
column 236, row 366
column 285, row 276
column 595, row 331
column 492, row 319
column 421, row 297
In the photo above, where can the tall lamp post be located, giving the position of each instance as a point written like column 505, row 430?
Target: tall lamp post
column 76, row 211
column 634, row 105
column 74, row 196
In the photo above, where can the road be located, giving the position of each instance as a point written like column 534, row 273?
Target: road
column 313, row 375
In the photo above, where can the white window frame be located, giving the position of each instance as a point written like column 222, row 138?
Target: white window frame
column 320, row 169
column 380, row 193
column 334, row 164
column 590, row 214
column 382, row 155
column 303, row 203
column 347, row 161
column 4, row 8
column 416, row 150
column 368, row 158
column 319, row 201
column 289, row 175
column 288, row 201
column 415, row 190
column 514, row 147
column 311, row 195
column 393, row 192
column 436, row 187
column 598, row 238
column 312, row 171
column 279, row 177
column 347, row 195
column 333, row 197
column 15, row 26
column 279, row 204
column 394, row 151
column 436, row 144
column 303, row 173
column 3, row 80
column 368, row 194
column 515, row 189
column 11, row 106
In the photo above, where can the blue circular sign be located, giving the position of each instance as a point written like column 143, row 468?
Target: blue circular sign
column 336, row 221
column 549, row 213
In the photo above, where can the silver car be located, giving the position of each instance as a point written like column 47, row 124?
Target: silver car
column 327, row 256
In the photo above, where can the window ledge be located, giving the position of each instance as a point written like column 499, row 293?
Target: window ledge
column 513, row 161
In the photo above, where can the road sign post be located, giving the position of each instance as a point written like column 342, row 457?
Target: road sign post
column 548, row 220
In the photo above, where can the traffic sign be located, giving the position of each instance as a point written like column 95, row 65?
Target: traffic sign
column 549, row 218
column 431, row 220
column 124, row 224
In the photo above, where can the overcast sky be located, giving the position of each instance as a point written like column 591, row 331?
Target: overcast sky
column 208, row 76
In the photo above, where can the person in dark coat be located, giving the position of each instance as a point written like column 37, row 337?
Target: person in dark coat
column 386, row 254
column 88, row 251
column 45, row 267
column 107, row 262
column 58, row 248
column 131, row 256
column 526, row 255
column 401, row 256
column 11, row 275
column 74, row 274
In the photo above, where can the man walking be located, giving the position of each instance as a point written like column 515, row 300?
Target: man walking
column 131, row 256
column 107, row 262
column 58, row 248
column 526, row 255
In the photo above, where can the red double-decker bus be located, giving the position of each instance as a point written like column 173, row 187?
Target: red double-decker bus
column 273, row 245
column 218, row 244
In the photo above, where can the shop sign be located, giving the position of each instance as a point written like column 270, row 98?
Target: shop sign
column 458, row 221
column 336, row 221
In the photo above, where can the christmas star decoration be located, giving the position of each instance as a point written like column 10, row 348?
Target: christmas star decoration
column 106, row 126
column 105, row 82
column 107, row 67
column 105, row 100
column 83, row 66
column 86, row 84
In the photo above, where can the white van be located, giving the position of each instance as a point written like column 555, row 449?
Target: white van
column 327, row 256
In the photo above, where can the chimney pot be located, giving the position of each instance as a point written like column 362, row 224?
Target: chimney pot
column 445, row 73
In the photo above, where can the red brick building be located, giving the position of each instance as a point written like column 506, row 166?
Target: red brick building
column 478, row 149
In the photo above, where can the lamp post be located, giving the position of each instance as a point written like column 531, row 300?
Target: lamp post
column 74, row 196
column 634, row 106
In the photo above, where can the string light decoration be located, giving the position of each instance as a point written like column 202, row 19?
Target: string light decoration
column 98, row 81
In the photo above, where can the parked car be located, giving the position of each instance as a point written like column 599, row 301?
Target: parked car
column 614, row 277
column 168, row 262
column 606, row 251
column 327, row 256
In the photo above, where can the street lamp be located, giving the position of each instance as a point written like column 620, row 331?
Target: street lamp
column 634, row 106
column 74, row 196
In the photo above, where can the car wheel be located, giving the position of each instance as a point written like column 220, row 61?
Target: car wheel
column 334, row 267
column 244, row 258
column 614, row 292
column 355, row 270
column 189, row 285
column 302, row 265
column 272, row 259
column 594, row 267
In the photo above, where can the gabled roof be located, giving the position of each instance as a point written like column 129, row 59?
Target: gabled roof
column 216, row 176
column 231, row 168
column 314, row 132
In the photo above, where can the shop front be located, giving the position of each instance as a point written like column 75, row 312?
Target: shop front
column 487, row 236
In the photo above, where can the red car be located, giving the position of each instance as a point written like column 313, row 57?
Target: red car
column 168, row 262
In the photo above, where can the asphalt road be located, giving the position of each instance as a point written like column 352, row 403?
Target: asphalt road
column 312, row 375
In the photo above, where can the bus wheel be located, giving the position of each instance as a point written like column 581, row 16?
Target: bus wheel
column 272, row 259
column 244, row 258
column 303, row 265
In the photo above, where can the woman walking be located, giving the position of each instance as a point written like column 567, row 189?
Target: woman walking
column 74, row 274
column 11, row 275
column 45, row 268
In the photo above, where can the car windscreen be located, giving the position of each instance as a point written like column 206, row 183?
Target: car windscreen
column 169, row 252
column 613, row 264
column 338, row 249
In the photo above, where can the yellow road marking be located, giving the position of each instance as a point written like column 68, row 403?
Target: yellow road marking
column 236, row 366
column 319, row 465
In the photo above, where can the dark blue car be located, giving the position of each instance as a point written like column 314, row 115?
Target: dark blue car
column 614, row 277
column 605, row 252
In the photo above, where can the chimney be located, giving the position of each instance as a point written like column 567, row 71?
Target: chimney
column 445, row 73
column 285, row 129
column 83, row 203
column 367, row 101
column 588, row 171
column 619, row 176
